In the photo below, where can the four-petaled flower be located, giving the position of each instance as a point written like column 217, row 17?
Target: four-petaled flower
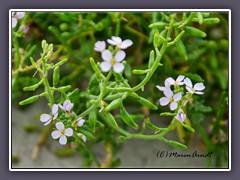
column 181, row 116
column 110, row 61
column 80, row 121
column 100, row 46
column 61, row 133
column 67, row 106
column 117, row 41
column 15, row 17
column 47, row 118
column 170, row 98
column 196, row 89
column 177, row 82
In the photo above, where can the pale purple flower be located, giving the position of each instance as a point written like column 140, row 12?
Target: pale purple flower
column 196, row 89
column 100, row 46
column 167, row 85
column 61, row 133
column 110, row 61
column 179, row 81
column 80, row 121
column 15, row 17
column 170, row 98
column 117, row 41
column 181, row 116
column 47, row 118
column 67, row 106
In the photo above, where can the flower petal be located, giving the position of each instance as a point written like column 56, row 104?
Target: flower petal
column 67, row 102
column 84, row 138
column 60, row 126
column 111, row 42
column 199, row 86
column 126, row 43
column 56, row 134
column 164, row 101
column 173, row 106
column 168, row 92
column 170, row 80
column 105, row 66
column 118, row 67
column 167, row 83
column 118, row 40
column 45, row 117
column 55, row 116
column 199, row 92
column 100, row 46
column 177, row 97
column 54, row 109
column 63, row 140
column 107, row 55
column 68, row 132
column 14, row 22
column 47, row 122
column 161, row 88
column 188, row 82
column 80, row 122
column 69, row 107
column 19, row 15
column 180, row 78
column 61, row 107
column 120, row 55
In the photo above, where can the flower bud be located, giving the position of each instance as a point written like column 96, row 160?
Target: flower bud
column 33, row 87
column 29, row 100
column 158, row 24
column 151, row 59
column 56, row 76
column 195, row 32
column 92, row 117
column 139, row 71
column 147, row 103
column 114, row 104
column 64, row 88
column 127, row 118
column 181, row 49
column 211, row 21
column 110, row 120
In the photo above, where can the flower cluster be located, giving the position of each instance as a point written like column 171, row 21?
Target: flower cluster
column 174, row 99
column 113, row 59
column 62, row 133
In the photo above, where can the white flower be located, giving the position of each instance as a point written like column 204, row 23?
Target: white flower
column 61, row 133
column 15, row 17
column 100, row 46
column 110, row 61
column 49, row 117
column 117, row 41
column 181, row 116
column 196, row 89
column 178, row 81
column 167, row 85
column 170, row 98
column 80, row 121
column 67, row 106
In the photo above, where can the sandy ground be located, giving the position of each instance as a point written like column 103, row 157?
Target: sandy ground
column 135, row 153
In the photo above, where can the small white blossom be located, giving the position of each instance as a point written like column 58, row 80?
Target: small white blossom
column 196, row 89
column 117, row 41
column 80, row 121
column 82, row 136
column 179, row 81
column 110, row 61
column 61, row 133
column 167, row 85
column 100, row 46
column 181, row 116
column 15, row 17
column 47, row 118
column 67, row 106
column 170, row 98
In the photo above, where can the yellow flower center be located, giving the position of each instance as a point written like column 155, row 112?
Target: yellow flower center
column 113, row 61
column 171, row 99
column 62, row 132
